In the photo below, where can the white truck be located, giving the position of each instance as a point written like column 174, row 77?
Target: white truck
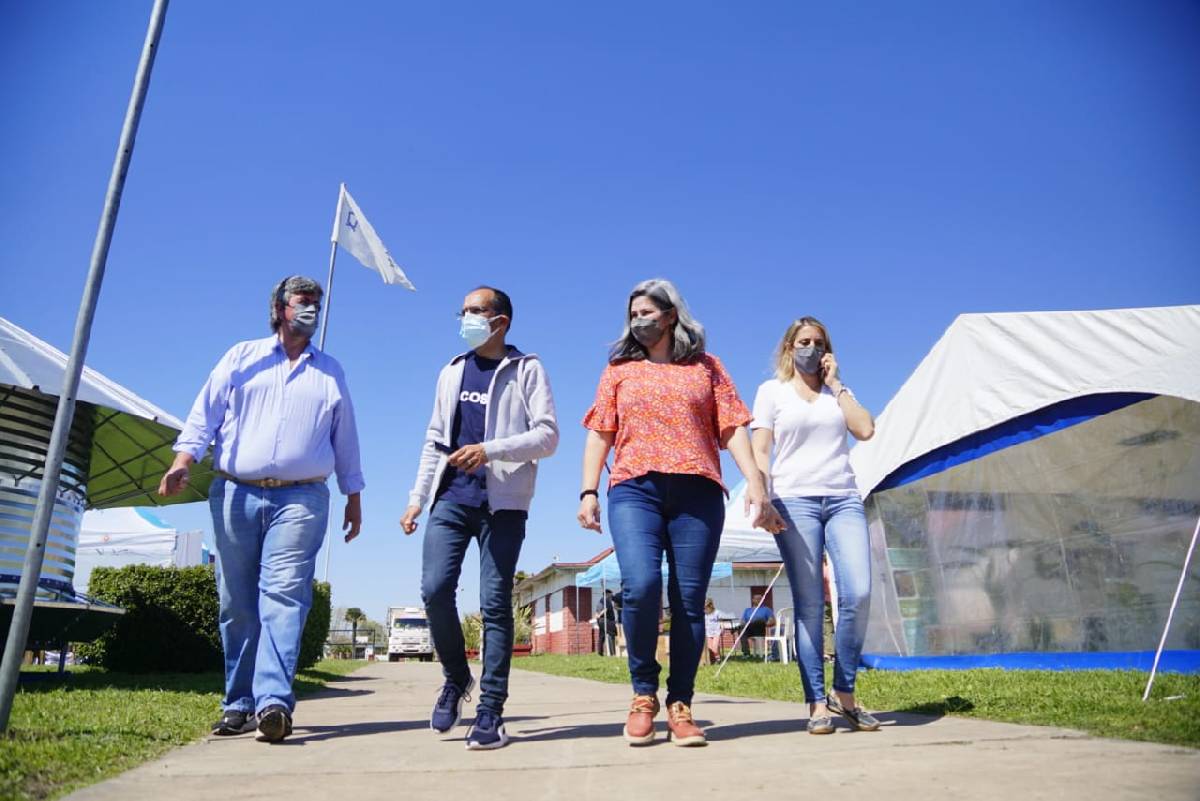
column 408, row 634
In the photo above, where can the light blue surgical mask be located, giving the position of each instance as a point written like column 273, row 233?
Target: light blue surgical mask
column 475, row 329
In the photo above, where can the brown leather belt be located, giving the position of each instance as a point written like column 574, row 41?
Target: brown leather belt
column 270, row 483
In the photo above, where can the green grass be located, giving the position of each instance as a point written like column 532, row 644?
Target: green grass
column 1105, row 703
column 95, row 724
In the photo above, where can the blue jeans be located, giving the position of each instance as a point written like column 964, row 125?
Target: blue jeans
column 267, row 542
column 681, row 515
column 839, row 525
column 450, row 530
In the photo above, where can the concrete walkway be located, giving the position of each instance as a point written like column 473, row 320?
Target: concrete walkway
column 368, row 737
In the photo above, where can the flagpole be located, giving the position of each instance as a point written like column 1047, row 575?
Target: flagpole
column 18, row 630
column 321, row 346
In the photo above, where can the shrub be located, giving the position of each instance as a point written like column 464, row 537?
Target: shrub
column 316, row 628
column 171, row 620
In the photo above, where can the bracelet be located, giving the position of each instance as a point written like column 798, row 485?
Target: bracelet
column 586, row 493
column 845, row 389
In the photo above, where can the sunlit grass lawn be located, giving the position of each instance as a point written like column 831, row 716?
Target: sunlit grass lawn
column 96, row 724
column 1105, row 703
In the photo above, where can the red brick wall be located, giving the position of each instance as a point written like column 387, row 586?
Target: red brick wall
column 576, row 635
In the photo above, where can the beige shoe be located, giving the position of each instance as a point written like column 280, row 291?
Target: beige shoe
column 681, row 729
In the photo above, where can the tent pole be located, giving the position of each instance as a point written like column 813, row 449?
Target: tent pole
column 1171, row 613
column 18, row 630
column 738, row 639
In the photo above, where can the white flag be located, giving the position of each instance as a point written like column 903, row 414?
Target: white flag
column 352, row 231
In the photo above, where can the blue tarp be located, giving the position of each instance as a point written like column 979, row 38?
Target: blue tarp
column 1171, row 662
column 607, row 572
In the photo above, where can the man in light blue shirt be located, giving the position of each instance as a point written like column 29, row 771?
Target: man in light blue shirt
column 278, row 414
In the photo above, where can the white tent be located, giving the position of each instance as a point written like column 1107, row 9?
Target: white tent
column 1033, row 486
column 131, row 536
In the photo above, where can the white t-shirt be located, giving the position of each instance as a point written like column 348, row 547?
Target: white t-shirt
column 811, row 454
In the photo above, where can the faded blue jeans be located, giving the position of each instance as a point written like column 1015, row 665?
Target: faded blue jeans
column 267, row 542
column 681, row 515
column 839, row 525
column 450, row 530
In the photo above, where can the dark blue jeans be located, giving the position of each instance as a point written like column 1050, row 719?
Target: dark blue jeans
column 682, row 516
column 450, row 530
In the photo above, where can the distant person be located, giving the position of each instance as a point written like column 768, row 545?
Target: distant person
column 607, row 615
column 669, row 407
column 712, row 629
column 277, row 412
column 493, row 418
column 755, row 621
column 804, row 415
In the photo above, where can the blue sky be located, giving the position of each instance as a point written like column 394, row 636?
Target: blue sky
column 884, row 167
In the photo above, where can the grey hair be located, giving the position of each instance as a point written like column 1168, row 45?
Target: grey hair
column 688, row 333
column 285, row 289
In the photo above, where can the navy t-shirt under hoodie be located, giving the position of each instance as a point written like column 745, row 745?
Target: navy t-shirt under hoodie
column 459, row 486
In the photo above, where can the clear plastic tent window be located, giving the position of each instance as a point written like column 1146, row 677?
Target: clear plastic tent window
column 1071, row 542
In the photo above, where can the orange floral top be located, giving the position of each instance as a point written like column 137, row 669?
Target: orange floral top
column 667, row 417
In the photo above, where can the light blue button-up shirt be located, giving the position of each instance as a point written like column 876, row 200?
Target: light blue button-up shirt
column 267, row 419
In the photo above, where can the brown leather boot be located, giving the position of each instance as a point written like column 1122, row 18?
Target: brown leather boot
column 681, row 729
column 639, row 727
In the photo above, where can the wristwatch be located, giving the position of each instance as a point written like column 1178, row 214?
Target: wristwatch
column 586, row 493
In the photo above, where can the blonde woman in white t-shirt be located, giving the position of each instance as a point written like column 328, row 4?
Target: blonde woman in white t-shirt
column 803, row 415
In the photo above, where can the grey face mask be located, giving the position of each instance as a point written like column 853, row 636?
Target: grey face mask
column 647, row 331
column 808, row 359
column 304, row 323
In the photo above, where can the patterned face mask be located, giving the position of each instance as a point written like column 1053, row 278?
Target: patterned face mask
column 646, row 330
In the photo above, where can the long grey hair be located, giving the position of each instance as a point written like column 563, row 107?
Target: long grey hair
column 283, row 291
column 687, row 333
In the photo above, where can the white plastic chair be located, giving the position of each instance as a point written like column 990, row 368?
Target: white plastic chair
column 785, row 622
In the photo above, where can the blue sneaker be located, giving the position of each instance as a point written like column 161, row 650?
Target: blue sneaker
column 487, row 732
column 447, row 711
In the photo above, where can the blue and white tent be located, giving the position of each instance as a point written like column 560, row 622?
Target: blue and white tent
column 1033, row 490
column 607, row 573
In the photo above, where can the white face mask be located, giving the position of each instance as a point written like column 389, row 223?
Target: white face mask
column 475, row 329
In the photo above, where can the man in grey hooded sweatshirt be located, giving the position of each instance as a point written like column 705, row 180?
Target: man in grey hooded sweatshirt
column 493, row 418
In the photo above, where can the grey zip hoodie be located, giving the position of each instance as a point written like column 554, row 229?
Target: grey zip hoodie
column 520, row 427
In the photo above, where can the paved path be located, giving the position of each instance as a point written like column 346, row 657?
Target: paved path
column 367, row 737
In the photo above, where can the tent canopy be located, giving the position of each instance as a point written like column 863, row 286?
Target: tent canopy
column 988, row 369
column 131, row 440
column 607, row 572
column 128, row 536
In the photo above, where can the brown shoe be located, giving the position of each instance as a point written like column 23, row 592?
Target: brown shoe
column 681, row 729
column 639, row 727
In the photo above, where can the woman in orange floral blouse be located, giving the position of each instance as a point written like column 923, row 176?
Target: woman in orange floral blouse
column 668, row 407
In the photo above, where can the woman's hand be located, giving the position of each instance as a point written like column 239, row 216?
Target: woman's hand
column 589, row 513
column 829, row 372
column 765, row 516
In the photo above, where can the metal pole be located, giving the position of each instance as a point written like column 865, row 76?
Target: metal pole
column 328, row 295
column 14, row 648
column 738, row 639
column 1171, row 613
column 337, row 213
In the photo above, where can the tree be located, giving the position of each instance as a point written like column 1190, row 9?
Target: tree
column 353, row 616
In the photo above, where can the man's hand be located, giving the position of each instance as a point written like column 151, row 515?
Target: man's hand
column 353, row 518
column 469, row 458
column 176, row 477
column 409, row 522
